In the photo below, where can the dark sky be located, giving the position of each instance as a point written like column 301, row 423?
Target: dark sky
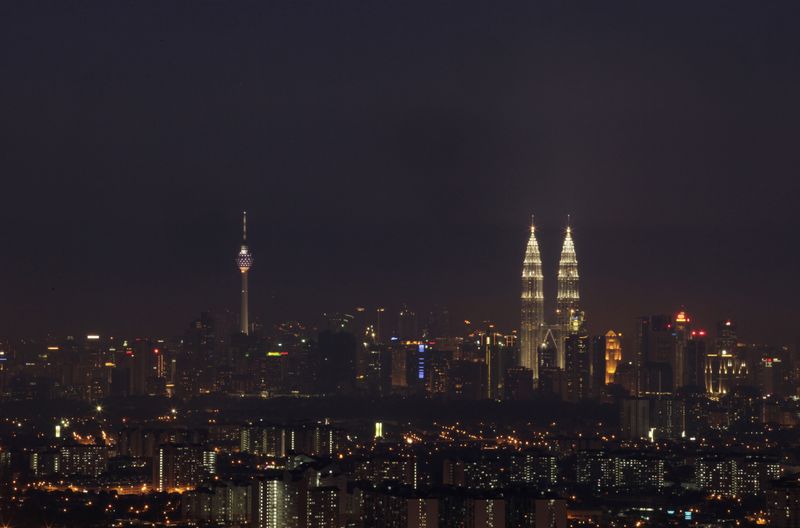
column 392, row 152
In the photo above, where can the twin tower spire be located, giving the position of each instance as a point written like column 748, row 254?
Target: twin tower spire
column 535, row 334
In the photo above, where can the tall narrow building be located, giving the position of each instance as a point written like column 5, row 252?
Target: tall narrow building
column 244, row 260
column 568, row 299
column 532, row 305
column 613, row 353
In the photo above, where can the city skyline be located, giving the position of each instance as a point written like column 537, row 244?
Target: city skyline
column 127, row 164
column 505, row 317
column 399, row 264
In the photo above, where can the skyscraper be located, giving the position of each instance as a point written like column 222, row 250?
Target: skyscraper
column 597, row 365
column 654, row 346
column 577, row 360
column 724, row 367
column 681, row 331
column 177, row 466
column 537, row 339
column 613, row 344
column 532, row 305
column 568, row 297
column 695, row 360
column 244, row 260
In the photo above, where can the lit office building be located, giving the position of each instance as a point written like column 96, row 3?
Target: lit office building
column 278, row 502
column 44, row 463
column 323, row 507
column 783, row 504
column 532, row 317
column 178, row 466
column 264, row 440
column 568, row 296
column 379, row 469
column 423, row 512
column 639, row 472
column 725, row 369
column 487, row 513
column 84, row 460
column 613, row 342
column 732, row 476
column 624, row 471
column 577, row 357
column 536, row 468
column 223, row 503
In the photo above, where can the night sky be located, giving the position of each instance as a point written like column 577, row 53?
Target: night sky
column 393, row 152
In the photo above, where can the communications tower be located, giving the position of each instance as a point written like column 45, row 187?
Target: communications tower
column 244, row 261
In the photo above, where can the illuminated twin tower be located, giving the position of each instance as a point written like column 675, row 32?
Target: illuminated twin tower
column 536, row 336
